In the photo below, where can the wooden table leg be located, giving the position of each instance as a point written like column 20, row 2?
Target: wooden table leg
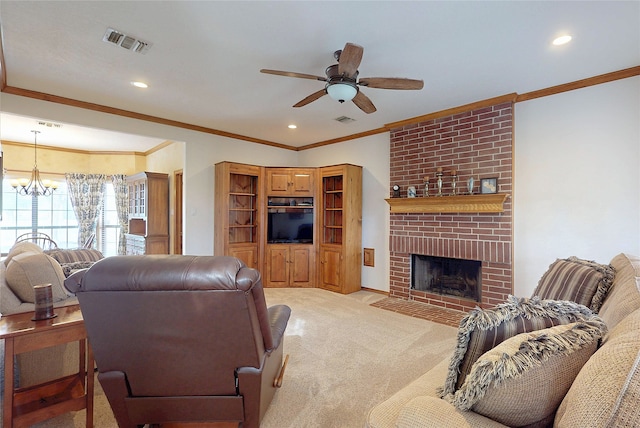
column 7, row 416
column 90, row 383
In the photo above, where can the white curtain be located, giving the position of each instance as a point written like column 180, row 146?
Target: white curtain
column 86, row 192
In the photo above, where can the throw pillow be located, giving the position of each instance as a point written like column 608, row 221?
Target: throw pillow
column 482, row 329
column 29, row 269
column 522, row 381
column 21, row 247
column 581, row 281
column 69, row 268
column 606, row 392
column 623, row 298
column 75, row 255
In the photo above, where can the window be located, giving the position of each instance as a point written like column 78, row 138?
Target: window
column 108, row 229
column 54, row 216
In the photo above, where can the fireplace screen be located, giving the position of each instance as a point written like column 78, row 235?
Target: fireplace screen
column 447, row 276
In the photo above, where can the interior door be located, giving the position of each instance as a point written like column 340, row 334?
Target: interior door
column 177, row 220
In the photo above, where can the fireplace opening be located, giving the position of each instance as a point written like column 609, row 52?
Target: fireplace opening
column 446, row 276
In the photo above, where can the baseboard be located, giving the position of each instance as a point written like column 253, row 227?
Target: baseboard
column 373, row 290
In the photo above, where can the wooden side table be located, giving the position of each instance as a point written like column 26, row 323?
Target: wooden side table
column 24, row 407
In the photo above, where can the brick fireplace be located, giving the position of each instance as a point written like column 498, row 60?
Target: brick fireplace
column 477, row 143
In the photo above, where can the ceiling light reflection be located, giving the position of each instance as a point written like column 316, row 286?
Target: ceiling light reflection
column 295, row 327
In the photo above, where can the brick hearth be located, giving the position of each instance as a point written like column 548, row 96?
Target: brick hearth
column 477, row 143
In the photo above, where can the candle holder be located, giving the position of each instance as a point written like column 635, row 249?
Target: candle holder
column 454, row 178
column 470, row 182
column 426, row 187
column 43, row 302
column 439, row 182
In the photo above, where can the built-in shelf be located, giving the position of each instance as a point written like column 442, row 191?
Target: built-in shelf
column 482, row 203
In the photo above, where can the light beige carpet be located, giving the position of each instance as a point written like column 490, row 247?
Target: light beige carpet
column 345, row 357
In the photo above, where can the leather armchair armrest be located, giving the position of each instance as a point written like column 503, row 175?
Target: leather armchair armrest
column 278, row 319
column 74, row 281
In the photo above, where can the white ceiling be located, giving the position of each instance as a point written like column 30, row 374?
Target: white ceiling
column 203, row 65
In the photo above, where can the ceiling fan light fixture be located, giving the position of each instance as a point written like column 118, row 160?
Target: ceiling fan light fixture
column 341, row 92
column 562, row 40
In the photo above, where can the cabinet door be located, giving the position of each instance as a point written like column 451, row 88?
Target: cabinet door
column 278, row 182
column 332, row 209
column 248, row 254
column 136, row 245
column 302, row 182
column 290, row 181
column 301, row 258
column 156, row 245
column 331, row 268
column 277, row 272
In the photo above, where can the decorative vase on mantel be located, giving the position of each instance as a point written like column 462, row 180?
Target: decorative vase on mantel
column 470, row 182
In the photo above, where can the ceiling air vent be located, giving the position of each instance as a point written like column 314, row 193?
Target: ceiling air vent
column 125, row 41
column 344, row 119
column 49, row 124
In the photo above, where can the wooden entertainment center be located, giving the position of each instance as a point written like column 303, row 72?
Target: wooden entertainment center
column 301, row 227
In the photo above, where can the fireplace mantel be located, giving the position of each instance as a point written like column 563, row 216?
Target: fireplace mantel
column 481, row 203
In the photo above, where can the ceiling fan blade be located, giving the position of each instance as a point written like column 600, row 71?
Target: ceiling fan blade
column 350, row 60
column 311, row 98
column 391, row 83
column 293, row 74
column 364, row 103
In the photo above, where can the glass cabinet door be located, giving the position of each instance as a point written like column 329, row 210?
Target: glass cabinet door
column 242, row 208
column 332, row 193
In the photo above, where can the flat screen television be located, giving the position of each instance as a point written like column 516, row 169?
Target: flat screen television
column 290, row 227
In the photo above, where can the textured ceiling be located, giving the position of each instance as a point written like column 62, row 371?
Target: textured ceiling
column 203, row 65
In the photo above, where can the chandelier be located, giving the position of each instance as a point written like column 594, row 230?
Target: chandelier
column 34, row 186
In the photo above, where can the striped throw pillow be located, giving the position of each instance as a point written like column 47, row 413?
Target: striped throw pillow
column 75, row 255
column 582, row 281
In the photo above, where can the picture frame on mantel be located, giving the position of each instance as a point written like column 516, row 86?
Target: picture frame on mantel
column 489, row 185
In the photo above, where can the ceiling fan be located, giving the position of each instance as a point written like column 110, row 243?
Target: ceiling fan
column 343, row 83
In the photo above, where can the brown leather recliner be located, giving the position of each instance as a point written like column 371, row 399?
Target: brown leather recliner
column 182, row 338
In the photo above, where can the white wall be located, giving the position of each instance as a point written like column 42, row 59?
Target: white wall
column 201, row 156
column 577, row 178
column 372, row 153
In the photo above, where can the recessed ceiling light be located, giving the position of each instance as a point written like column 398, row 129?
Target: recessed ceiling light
column 140, row 84
column 562, row 40
column 292, row 126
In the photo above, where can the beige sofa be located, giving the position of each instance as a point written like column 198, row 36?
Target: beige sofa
column 604, row 391
column 25, row 266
